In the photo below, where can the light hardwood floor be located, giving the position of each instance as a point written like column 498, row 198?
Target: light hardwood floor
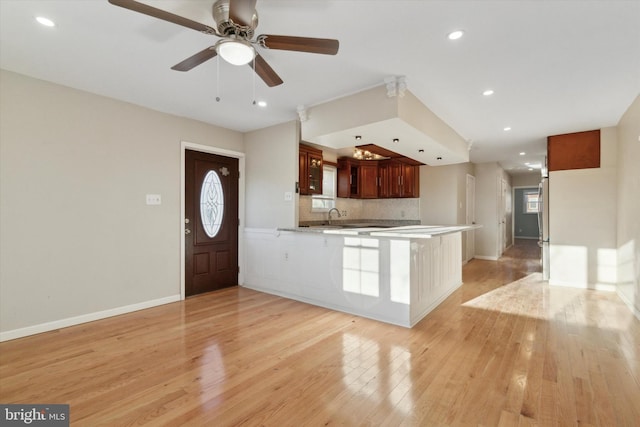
column 504, row 350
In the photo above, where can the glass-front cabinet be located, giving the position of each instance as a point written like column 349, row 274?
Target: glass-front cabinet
column 310, row 172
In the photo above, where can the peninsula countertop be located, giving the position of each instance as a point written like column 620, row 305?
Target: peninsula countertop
column 376, row 230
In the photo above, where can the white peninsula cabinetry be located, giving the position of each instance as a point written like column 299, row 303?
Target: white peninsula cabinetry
column 395, row 275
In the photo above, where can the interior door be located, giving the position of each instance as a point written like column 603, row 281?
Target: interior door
column 211, row 222
column 471, row 216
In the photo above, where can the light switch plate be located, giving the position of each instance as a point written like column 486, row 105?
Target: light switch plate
column 288, row 196
column 154, row 199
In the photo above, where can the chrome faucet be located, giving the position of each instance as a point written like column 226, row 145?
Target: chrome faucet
column 331, row 210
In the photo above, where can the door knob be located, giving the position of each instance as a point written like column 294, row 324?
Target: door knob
column 187, row 231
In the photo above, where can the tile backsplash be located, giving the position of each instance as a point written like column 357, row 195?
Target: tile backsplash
column 363, row 209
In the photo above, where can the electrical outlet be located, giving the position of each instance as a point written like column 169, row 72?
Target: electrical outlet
column 343, row 213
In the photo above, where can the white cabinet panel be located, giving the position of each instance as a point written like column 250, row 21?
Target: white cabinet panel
column 393, row 280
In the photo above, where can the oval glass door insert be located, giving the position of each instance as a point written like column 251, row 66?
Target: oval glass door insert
column 211, row 203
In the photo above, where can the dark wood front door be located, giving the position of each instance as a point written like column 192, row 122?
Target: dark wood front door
column 211, row 222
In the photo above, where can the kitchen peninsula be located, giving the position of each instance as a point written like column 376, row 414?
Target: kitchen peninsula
column 396, row 275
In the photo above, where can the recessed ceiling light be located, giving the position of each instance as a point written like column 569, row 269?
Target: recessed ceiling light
column 530, row 169
column 488, row 92
column 45, row 21
column 262, row 104
column 396, row 140
column 522, row 153
column 507, row 129
column 455, row 35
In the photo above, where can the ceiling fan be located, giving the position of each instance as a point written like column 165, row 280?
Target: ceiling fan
column 236, row 22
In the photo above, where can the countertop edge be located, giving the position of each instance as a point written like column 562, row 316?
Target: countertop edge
column 405, row 232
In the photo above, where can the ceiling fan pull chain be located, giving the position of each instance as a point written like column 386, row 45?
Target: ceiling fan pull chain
column 218, row 80
column 254, row 81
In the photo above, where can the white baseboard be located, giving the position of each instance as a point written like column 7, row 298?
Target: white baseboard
column 89, row 317
column 488, row 258
column 416, row 319
column 335, row 307
column 607, row 287
column 628, row 303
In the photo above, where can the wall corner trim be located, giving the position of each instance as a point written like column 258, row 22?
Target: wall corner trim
column 84, row 318
column 628, row 303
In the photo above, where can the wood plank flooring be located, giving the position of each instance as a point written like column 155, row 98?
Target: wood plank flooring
column 503, row 350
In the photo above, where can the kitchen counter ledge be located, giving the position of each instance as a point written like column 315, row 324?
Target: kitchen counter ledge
column 378, row 230
column 396, row 275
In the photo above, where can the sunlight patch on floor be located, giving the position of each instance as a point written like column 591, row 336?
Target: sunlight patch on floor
column 532, row 297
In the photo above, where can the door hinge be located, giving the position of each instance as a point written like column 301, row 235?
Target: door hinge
column 238, row 269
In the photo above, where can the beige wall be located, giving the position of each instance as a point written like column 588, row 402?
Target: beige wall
column 443, row 193
column 443, row 196
column 582, row 221
column 272, row 170
column 77, row 236
column 628, row 212
column 526, row 179
column 488, row 211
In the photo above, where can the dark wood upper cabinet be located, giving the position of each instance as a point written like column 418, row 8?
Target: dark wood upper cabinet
column 368, row 180
column 410, row 180
column 399, row 179
column 580, row 150
column 371, row 179
column 383, row 180
column 357, row 179
column 310, row 170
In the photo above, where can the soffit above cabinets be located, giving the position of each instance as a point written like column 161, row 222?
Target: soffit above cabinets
column 398, row 124
column 388, row 154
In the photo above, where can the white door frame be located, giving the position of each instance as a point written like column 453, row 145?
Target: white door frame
column 502, row 234
column 470, row 219
column 184, row 145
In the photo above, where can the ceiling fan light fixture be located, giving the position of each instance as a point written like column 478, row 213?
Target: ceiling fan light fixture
column 235, row 51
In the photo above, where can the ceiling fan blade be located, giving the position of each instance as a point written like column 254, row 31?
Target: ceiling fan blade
column 265, row 71
column 241, row 11
column 299, row 44
column 164, row 15
column 195, row 60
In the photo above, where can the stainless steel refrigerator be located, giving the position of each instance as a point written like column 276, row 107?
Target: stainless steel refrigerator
column 543, row 221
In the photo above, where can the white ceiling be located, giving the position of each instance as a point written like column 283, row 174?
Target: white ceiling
column 555, row 66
